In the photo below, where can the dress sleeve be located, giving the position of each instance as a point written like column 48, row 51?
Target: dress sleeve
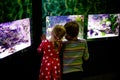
column 40, row 47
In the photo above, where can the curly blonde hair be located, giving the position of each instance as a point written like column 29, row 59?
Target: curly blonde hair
column 59, row 31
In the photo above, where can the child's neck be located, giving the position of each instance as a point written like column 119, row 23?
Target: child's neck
column 52, row 39
column 73, row 39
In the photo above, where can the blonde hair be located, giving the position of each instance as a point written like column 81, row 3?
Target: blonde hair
column 59, row 31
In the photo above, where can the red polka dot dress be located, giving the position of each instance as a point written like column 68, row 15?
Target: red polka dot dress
column 50, row 66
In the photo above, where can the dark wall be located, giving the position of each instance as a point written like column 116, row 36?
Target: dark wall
column 103, row 57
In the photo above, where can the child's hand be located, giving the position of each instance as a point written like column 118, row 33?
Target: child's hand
column 43, row 37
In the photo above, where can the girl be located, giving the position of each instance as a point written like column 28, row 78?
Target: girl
column 50, row 66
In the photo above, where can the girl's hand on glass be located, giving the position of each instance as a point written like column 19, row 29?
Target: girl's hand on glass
column 43, row 37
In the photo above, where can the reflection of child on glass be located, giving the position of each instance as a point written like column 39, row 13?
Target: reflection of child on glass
column 74, row 51
column 50, row 66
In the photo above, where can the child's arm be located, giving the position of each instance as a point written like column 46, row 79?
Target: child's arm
column 40, row 47
column 86, row 54
column 43, row 37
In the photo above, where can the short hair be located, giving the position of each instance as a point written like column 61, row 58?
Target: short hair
column 72, row 28
column 59, row 31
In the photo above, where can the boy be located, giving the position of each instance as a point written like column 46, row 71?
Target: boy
column 74, row 52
